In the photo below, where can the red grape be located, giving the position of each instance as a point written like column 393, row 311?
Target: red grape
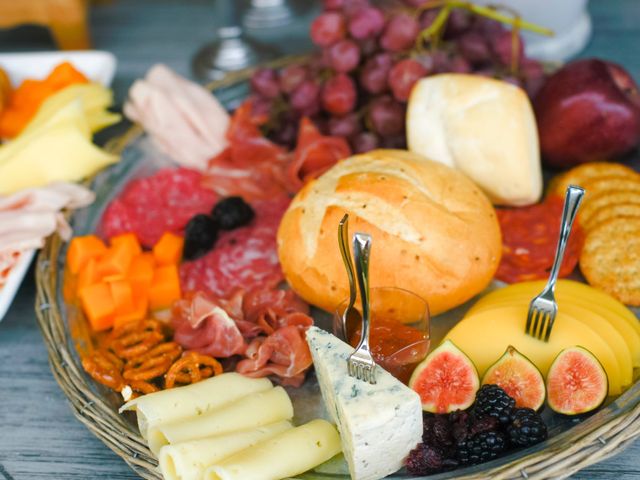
column 403, row 76
column 368, row 46
column 352, row 6
column 343, row 56
column 265, row 82
column 386, row 116
column 328, row 28
column 533, row 74
column 458, row 22
column 364, row 142
column 332, row 4
column 400, row 33
column 474, row 47
column 261, row 106
column 306, row 98
column 292, row 76
column 286, row 133
column 346, row 126
column 460, row 65
column 427, row 18
column 502, row 46
column 339, row 94
column 375, row 72
column 366, row 22
column 395, row 141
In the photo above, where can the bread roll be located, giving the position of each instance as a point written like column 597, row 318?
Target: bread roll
column 434, row 232
column 481, row 126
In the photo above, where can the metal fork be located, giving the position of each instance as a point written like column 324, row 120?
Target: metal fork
column 350, row 316
column 543, row 308
column 360, row 363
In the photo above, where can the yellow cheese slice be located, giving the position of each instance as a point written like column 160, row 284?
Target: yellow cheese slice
column 283, row 456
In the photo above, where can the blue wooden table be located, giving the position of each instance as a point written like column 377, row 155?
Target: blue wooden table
column 39, row 437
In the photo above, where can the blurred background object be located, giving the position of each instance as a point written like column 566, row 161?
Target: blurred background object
column 273, row 13
column 569, row 19
column 231, row 50
column 66, row 19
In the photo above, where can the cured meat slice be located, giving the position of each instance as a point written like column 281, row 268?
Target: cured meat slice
column 314, row 154
column 529, row 239
column 244, row 258
column 201, row 324
column 153, row 205
column 284, row 353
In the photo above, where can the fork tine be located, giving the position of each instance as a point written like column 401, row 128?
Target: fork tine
column 536, row 322
column 530, row 315
column 543, row 322
column 549, row 327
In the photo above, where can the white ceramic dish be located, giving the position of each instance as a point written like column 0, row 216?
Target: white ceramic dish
column 98, row 66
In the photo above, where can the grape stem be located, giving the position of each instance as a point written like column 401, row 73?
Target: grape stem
column 489, row 12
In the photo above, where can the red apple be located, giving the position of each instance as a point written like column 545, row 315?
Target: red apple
column 588, row 110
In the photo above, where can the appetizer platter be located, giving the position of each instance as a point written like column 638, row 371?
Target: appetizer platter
column 203, row 325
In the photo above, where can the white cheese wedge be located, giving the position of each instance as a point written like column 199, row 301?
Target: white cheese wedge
column 379, row 424
column 483, row 127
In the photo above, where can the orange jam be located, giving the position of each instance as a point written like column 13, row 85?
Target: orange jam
column 396, row 347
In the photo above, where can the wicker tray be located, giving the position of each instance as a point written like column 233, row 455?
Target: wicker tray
column 574, row 443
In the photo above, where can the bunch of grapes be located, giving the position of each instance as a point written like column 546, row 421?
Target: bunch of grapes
column 359, row 83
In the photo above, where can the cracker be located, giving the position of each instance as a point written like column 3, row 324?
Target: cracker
column 610, row 258
column 588, row 171
column 595, row 186
column 597, row 201
column 611, row 211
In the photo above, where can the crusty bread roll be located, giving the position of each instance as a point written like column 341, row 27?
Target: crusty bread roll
column 483, row 127
column 434, row 232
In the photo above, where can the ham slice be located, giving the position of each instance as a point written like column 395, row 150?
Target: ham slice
column 29, row 216
column 183, row 118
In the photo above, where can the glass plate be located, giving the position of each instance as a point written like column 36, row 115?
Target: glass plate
column 140, row 158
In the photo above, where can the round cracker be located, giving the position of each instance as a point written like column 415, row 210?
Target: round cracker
column 587, row 171
column 600, row 200
column 611, row 211
column 610, row 258
column 613, row 183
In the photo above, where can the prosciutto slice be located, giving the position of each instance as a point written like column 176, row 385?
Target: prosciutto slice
column 265, row 326
column 284, row 353
column 203, row 325
column 314, row 154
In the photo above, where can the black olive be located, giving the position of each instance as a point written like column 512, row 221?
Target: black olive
column 200, row 236
column 232, row 212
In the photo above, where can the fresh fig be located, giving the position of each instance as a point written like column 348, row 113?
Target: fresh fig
column 519, row 377
column 446, row 380
column 576, row 382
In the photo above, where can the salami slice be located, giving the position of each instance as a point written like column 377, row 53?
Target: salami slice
column 529, row 239
column 244, row 258
column 153, row 205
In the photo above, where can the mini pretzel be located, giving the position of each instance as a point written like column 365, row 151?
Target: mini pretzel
column 152, row 364
column 192, row 368
column 135, row 339
column 140, row 387
column 105, row 368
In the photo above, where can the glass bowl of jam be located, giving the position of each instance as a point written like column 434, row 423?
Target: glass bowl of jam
column 400, row 329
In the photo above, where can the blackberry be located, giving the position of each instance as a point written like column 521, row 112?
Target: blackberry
column 232, row 212
column 481, row 447
column 493, row 401
column 200, row 235
column 437, row 431
column 527, row 428
column 426, row 459
column 465, row 425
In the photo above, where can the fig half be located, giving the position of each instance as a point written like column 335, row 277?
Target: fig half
column 446, row 380
column 576, row 383
column 519, row 377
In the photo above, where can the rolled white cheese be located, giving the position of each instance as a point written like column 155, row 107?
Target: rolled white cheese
column 200, row 398
column 253, row 411
column 483, row 127
column 189, row 460
column 288, row 454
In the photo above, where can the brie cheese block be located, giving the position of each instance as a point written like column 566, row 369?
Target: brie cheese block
column 483, row 127
column 379, row 424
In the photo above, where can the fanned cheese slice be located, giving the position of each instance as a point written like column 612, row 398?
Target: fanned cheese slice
column 379, row 424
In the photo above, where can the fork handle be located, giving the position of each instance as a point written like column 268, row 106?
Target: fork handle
column 361, row 252
column 572, row 201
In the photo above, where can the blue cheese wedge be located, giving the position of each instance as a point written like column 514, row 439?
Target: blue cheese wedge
column 379, row 424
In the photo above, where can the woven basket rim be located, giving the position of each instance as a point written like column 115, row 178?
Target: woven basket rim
column 558, row 460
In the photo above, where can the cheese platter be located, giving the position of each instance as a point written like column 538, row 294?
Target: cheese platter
column 206, row 277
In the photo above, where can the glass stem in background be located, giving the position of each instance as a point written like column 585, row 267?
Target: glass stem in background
column 268, row 14
column 231, row 50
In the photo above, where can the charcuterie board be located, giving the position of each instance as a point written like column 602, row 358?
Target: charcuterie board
column 574, row 442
